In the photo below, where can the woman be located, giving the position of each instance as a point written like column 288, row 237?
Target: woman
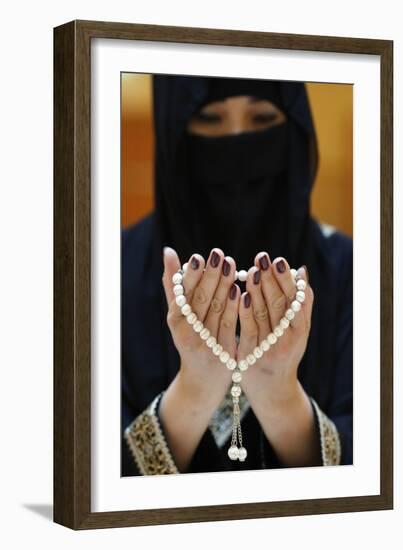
column 235, row 164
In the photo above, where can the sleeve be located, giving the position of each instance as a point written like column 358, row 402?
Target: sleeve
column 147, row 443
column 335, row 424
column 329, row 436
column 150, row 452
column 340, row 407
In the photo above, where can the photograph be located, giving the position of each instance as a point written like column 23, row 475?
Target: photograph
column 236, row 274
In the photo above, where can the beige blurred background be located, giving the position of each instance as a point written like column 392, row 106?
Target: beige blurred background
column 332, row 107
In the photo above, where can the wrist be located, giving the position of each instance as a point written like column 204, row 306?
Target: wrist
column 198, row 387
column 273, row 397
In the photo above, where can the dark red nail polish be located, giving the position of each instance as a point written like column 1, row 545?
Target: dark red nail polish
column 215, row 259
column 232, row 292
column 281, row 267
column 306, row 271
column 256, row 277
column 194, row 263
column 226, row 268
column 247, row 299
column 264, row 262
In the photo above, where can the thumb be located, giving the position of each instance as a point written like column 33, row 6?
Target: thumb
column 171, row 266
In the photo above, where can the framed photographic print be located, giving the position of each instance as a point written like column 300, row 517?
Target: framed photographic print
column 223, row 262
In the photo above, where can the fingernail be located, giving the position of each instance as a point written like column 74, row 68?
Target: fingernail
column 226, row 268
column 306, row 271
column 256, row 277
column 247, row 299
column 194, row 263
column 280, row 266
column 215, row 259
column 264, row 262
column 232, row 292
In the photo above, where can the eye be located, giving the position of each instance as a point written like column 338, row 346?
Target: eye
column 265, row 117
column 207, row 117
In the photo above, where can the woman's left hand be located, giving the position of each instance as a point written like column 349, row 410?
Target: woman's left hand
column 270, row 289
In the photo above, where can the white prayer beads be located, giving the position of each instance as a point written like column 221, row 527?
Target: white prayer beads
column 235, row 452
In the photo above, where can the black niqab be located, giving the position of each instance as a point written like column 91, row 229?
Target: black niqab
column 243, row 193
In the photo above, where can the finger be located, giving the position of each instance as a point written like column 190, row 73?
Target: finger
column 302, row 321
column 193, row 275
column 274, row 297
column 285, row 280
column 204, row 291
column 249, row 330
column 218, row 302
column 171, row 266
column 228, row 321
column 294, row 297
column 260, row 309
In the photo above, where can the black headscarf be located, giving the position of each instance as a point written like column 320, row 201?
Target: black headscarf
column 243, row 193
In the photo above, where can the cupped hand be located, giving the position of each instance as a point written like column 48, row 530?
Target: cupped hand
column 212, row 295
column 215, row 299
column 270, row 290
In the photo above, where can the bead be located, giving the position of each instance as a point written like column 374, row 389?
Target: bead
column 191, row 318
column 300, row 296
column 272, row 338
column 180, row 300
column 284, row 323
column 257, row 352
column 186, row 309
column 233, row 452
column 296, row 306
column 236, row 391
column 211, row 342
column 198, row 326
column 231, row 363
column 251, row 359
column 217, row 349
column 236, row 275
column 301, row 284
column 178, row 290
column 243, row 365
column 278, row 331
column 242, row 454
column 236, row 376
column 224, row 356
column 293, row 273
column 185, row 266
column 177, row 278
column 242, row 275
column 205, row 333
column 264, row 345
column 290, row 314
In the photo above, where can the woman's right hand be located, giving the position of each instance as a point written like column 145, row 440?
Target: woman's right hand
column 214, row 297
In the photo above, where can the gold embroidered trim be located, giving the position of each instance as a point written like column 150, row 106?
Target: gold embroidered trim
column 329, row 438
column 147, row 443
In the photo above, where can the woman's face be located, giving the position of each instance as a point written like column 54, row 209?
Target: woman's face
column 234, row 115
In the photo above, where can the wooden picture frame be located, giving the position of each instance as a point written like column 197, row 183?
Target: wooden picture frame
column 72, row 272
